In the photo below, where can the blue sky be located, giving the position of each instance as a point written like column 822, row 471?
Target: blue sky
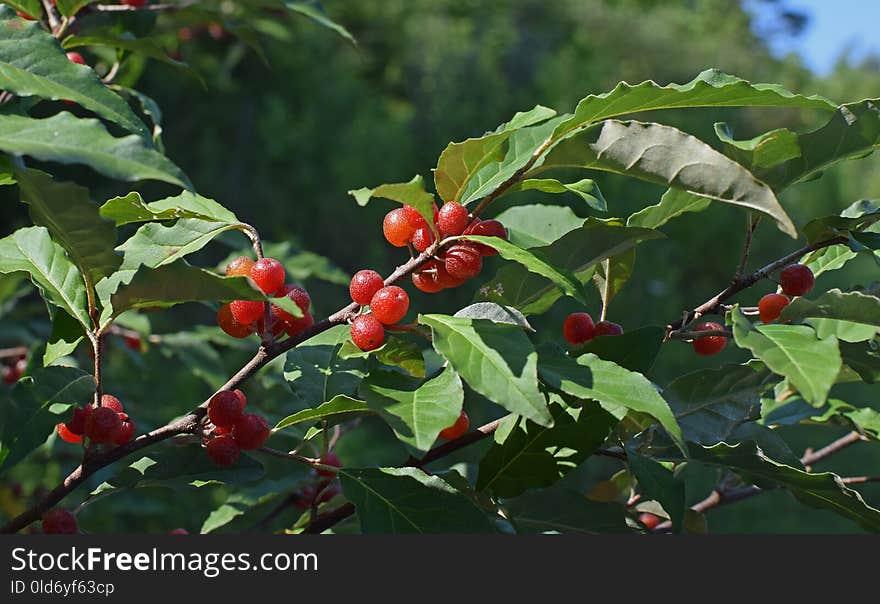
column 835, row 25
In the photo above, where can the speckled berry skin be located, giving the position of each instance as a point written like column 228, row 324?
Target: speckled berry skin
column 251, row 431
column 578, row 328
column 268, row 274
column 389, row 305
column 367, row 332
column 796, row 280
column 223, row 450
column 364, row 286
column 709, row 345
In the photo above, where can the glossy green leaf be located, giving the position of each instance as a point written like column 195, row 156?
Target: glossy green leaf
column 66, row 139
column 407, row 500
column 534, row 456
column 495, row 359
column 659, row 484
column 615, row 388
column 155, row 244
column 132, row 208
column 317, row 374
column 586, row 189
column 339, row 408
column 417, row 410
column 531, row 226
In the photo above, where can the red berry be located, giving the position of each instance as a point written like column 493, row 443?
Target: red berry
column 240, row 267
column 223, row 450
column 444, row 279
column 329, row 459
column 135, row 3
column 59, row 522
column 796, row 280
column 111, row 402
column 457, row 429
column 426, row 279
column 452, row 219
column 77, row 425
column 241, row 397
column 415, row 219
column 463, row 261
column 126, row 432
column 771, row 305
column 649, row 520
column 133, row 342
column 75, row 57
column 397, row 227
column 178, row 531
column 246, row 312
column 66, row 435
column 230, row 325
column 297, row 326
column 299, row 296
column 487, row 228
column 389, row 304
column 578, row 328
column 422, row 239
column 607, row 328
column 367, row 332
column 251, row 431
column 103, row 425
column 364, row 285
column 268, row 274
column 709, row 344
column 224, row 408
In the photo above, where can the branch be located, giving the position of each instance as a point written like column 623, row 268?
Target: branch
column 751, row 225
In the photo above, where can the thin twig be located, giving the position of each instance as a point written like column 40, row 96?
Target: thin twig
column 751, row 225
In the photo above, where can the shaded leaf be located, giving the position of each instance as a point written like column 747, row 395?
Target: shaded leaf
column 317, row 374
column 559, row 510
column 634, row 350
column 339, row 408
column 659, row 484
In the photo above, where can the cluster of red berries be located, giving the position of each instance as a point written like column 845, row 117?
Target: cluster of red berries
column 325, row 489
column 104, row 425
column 233, row 429
column 578, row 328
column 241, row 318
column 16, row 368
column 388, row 305
column 59, row 522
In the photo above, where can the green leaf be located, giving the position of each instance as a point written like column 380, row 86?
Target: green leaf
column 33, row 63
column 828, row 259
column 666, row 155
column 712, row 88
column 313, row 10
column 835, row 304
column 66, row 139
column 534, row 456
column 660, row 485
column 535, row 262
column 832, row 226
column 155, row 244
column 460, row 162
column 68, row 8
column 537, row 225
column 339, row 408
column 27, row 418
column 586, row 189
column 615, row 388
column 317, row 374
column 73, row 221
column 132, row 208
column 495, row 313
column 864, row 359
column 764, row 151
column 559, row 510
column 146, row 46
column 31, row 8
column 32, row 250
column 407, row 500
column 612, row 274
column 578, row 252
column 845, row 331
column 66, row 335
column 410, row 193
column 793, row 351
column 711, row 404
column 635, row 350
column 673, row 203
column 417, row 410
column 495, row 359
column 818, row 490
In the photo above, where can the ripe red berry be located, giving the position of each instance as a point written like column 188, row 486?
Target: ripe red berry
column 75, row 57
column 329, row 459
column 649, row 520
column 251, row 431
column 66, row 435
column 771, row 305
column 178, row 531
column 268, row 274
column 59, row 522
column 103, row 425
column 111, row 402
column 367, row 332
column 297, row 326
column 415, row 219
column 246, row 312
column 796, row 280
column 397, row 227
column 422, row 238
column 240, row 267
column 389, row 304
column 364, row 285
column 487, row 228
column 452, row 219
column 241, row 397
column 230, row 325
column 457, row 429
column 578, row 328
column 444, row 279
column 126, row 432
column 77, row 424
column 607, row 328
column 463, row 261
column 426, row 280
column 133, row 342
column 223, row 450
column 299, row 296
column 224, row 408
column 710, row 344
